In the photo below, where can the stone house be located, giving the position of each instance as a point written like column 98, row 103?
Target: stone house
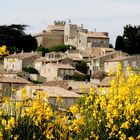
column 97, row 63
column 133, row 61
column 68, row 97
column 17, row 61
column 8, row 82
column 53, row 36
column 42, row 61
column 56, row 55
column 82, row 39
column 56, row 71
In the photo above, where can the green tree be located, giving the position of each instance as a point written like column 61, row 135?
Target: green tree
column 43, row 50
column 119, row 43
column 82, row 67
column 110, row 45
column 60, row 48
column 30, row 70
column 14, row 37
column 131, row 36
column 130, row 41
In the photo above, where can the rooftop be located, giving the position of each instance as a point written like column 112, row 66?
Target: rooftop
column 22, row 55
column 55, row 91
column 63, row 66
column 13, row 79
column 108, row 54
column 119, row 58
column 96, row 35
column 106, row 82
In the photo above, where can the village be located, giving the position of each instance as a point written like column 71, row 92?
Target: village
column 55, row 72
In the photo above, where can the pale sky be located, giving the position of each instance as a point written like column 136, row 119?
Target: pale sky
column 103, row 15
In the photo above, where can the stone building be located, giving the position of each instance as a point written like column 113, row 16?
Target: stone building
column 17, row 61
column 71, row 34
column 69, row 97
column 56, row 71
column 10, row 82
column 53, row 36
column 133, row 61
column 97, row 63
column 82, row 39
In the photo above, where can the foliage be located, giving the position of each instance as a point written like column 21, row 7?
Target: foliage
column 110, row 45
column 30, row 70
column 77, row 77
column 131, row 37
column 119, row 43
column 130, row 41
column 3, row 51
column 14, row 37
column 43, row 50
column 82, row 67
column 114, row 115
column 60, row 48
column 35, row 81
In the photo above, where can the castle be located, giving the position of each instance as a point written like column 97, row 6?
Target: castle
column 71, row 34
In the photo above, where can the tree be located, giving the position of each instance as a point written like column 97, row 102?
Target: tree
column 130, row 41
column 110, row 45
column 131, row 36
column 14, row 37
column 42, row 50
column 60, row 48
column 119, row 43
column 82, row 67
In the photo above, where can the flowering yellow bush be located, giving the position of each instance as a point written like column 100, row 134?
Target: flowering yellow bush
column 114, row 115
column 3, row 50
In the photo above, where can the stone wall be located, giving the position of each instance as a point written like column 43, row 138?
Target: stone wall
column 51, row 39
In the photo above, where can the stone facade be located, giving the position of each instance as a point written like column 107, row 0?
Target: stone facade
column 49, row 39
column 71, row 34
column 81, row 38
column 69, row 97
column 133, row 61
column 16, row 62
column 53, row 36
column 56, row 71
column 8, row 82
column 97, row 63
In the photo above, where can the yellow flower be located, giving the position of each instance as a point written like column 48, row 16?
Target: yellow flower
column 1, row 135
column 130, row 138
column 59, row 99
column 125, row 125
column 16, row 137
column 24, row 93
column 74, row 109
column 13, row 89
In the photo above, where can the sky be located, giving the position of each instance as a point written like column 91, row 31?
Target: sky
column 103, row 15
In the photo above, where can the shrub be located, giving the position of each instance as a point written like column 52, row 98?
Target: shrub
column 30, row 70
column 114, row 115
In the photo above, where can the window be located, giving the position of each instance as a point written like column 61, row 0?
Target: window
column 125, row 63
column 134, row 64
